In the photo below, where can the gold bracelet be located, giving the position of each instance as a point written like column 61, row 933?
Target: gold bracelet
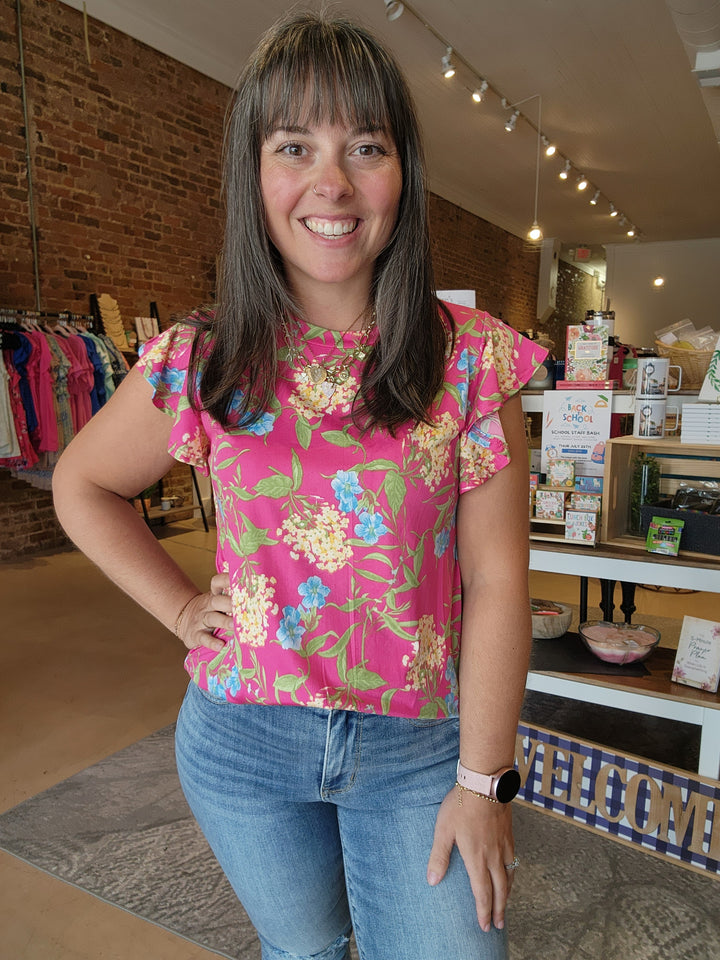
column 180, row 615
column 483, row 796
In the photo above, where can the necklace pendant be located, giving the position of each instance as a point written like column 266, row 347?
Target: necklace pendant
column 317, row 373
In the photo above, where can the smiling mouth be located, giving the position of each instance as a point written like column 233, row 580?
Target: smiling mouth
column 331, row 228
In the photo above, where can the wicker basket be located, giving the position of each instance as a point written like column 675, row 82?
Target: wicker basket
column 693, row 363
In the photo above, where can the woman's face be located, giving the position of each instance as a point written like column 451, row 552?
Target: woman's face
column 331, row 196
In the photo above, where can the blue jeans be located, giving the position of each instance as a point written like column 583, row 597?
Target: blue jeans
column 323, row 822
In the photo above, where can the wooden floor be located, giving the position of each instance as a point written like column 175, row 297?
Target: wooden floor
column 84, row 673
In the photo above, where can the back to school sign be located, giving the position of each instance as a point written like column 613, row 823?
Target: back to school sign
column 576, row 425
column 668, row 812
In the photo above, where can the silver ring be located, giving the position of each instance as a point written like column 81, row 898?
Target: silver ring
column 315, row 190
column 514, row 865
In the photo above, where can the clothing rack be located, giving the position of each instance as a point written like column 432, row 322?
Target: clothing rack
column 9, row 315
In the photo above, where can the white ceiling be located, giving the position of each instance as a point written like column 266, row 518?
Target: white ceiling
column 618, row 98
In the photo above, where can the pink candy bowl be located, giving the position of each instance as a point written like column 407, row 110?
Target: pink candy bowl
column 619, row 642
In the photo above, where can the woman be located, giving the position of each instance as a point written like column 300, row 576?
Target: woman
column 368, row 460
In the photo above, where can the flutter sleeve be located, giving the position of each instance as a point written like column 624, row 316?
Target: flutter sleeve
column 498, row 363
column 164, row 362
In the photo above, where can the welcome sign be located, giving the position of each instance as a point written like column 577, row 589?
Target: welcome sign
column 576, row 425
column 668, row 812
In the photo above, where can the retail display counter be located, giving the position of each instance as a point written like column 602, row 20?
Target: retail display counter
column 655, row 695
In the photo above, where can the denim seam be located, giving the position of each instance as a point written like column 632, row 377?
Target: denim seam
column 329, row 792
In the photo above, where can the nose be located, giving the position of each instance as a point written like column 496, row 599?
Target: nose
column 332, row 182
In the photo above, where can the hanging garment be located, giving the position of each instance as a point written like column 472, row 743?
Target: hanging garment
column 9, row 445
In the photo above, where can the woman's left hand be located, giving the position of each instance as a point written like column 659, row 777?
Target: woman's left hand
column 482, row 832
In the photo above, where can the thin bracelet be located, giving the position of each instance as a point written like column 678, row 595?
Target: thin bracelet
column 483, row 796
column 180, row 615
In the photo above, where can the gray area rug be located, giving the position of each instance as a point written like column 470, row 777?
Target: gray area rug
column 121, row 831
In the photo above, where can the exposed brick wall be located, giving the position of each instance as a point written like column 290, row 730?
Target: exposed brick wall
column 577, row 292
column 125, row 158
column 125, row 166
column 471, row 253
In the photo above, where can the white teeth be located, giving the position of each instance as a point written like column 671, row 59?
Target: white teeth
column 331, row 228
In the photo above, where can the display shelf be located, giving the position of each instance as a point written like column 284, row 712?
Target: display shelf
column 678, row 462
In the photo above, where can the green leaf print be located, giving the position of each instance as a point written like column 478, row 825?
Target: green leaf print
column 339, row 438
column 241, row 493
column 367, row 575
column 341, row 665
column 385, row 700
column 303, row 432
column 410, row 576
column 395, row 489
column 297, row 471
column 226, row 463
column 275, row 487
column 253, row 538
column 363, row 679
column 429, row 712
column 288, row 683
column 395, row 627
column 380, row 464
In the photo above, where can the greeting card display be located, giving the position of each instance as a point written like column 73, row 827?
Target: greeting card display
column 550, row 504
column 581, row 525
column 697, row 662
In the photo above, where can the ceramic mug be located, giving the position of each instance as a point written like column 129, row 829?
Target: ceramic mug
column 653, row 377
column 651, row 416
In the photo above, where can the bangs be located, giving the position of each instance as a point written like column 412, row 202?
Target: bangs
column 344, row 82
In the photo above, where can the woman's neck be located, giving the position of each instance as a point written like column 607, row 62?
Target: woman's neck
column 335, row 310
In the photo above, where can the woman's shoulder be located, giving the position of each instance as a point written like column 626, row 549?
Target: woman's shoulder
column 471, row 323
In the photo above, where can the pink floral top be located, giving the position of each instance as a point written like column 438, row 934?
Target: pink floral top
column 341, row 547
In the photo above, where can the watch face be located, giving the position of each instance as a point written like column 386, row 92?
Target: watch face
column 508, row 786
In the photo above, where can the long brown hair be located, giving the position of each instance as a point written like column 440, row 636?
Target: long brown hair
column 346, row 76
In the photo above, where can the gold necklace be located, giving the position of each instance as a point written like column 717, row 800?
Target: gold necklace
column 336, row 371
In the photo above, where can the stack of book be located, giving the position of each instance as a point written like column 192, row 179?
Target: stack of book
column 700, row 423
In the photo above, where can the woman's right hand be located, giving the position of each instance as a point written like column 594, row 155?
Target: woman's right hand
column 207, row 615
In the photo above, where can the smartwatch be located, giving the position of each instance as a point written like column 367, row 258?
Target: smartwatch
column 501, row 786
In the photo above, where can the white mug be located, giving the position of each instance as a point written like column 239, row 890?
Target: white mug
column 650, row 418
column 653, row 377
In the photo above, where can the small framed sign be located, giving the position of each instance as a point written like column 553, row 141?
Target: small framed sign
column 697, row 662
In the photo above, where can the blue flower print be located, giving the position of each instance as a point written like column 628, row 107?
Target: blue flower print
column 264, row 424
column 462, row 389
column 229, row 686
column 174, row 379
column 467, row 361
column 442, row 542
column 313, row 593
column 370, row 528
column 290, row 631
column 451, row 698
column 478, row 436
column 346, row 487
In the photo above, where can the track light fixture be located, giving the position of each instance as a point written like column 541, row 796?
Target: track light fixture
column 479, row 92
column 448, row 68
column 511, row 121
column 393, row 9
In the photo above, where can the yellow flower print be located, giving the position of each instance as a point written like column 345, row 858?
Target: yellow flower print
column 320, row 537
column 194, row 445
column 252, row 601
column 312, row 400
column 429, row 656
column 431, row 444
